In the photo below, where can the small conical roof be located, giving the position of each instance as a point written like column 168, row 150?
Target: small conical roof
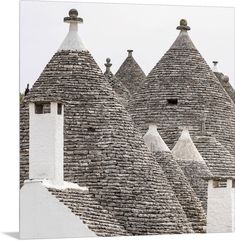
column 102, row 149
column 218, row 159
column 130, row 73
column 122, row 92
column 192, row 164
column 185, row 149
column 187, row 197
column 154, row 141
column 178, row 90
column 179, row 183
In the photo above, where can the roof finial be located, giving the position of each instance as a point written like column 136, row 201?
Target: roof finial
column 108, row 64
column 129, row 52
column 73, row 17
column 72, row 40
column 225, row 78
column 183, row 25
column 26, row 90
column 215, row 68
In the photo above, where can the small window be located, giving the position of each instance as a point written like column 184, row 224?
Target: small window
column 172, row 101
column 42, row 108
column 38, row 108
column 91, row 129
column 233, row 183
column 59, row 108
column 219, row 184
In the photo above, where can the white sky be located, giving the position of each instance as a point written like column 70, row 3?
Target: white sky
column 110, row 29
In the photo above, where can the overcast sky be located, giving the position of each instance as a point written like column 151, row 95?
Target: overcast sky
column 110, row 29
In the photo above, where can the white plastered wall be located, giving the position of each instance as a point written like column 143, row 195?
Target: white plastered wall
column 46, row 145
column 221, row 208
column 43, row 216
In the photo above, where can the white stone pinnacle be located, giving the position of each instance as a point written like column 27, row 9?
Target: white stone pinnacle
column 185, row 149
column 72, row 41
column 153, row 140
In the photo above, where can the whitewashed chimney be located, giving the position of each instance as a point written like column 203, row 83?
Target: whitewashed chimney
column 221, row 206
column 46, row 141
column 215, row 66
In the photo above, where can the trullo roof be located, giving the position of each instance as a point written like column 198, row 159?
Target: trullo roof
column 102, row 149
column 178, row 90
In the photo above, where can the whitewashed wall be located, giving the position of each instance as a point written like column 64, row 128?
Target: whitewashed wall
column 43, row 216
column 221, row 209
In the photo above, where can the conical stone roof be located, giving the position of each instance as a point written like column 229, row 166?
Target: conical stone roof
column 130, row 73
column 218, row 159
column 178, row 90
column 102, row 149
column 179, row 183
column 224, row 80
column 122, row 92
column 193, row 165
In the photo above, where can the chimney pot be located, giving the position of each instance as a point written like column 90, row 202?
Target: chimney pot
column 130, row 51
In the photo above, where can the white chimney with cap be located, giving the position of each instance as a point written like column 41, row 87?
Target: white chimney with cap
column 46, row 142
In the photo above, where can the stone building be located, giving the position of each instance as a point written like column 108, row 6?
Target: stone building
column 179, row 90
column 130, row 73
column 82, row 155
column 89, row 167
column 118, row 87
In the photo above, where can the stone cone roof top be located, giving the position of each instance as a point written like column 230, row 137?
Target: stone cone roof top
column 224, row 80
column 193, row 165
column 185, row 149
column 183, row 191
column 130, row 73
column 103, row 151
column 72, row 41
column 218, row 159
column 154, row 141
column 121, row 91
column 179, row 183
column 178, row 90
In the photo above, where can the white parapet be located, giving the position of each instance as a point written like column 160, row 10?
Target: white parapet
column 46, row 142
column 42, row 215
column 221, row 207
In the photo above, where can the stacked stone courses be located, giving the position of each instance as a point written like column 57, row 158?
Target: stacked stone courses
column 24, row 142
column 103, row 151
column 218, row 159
column 183, row 74
column 184, row 192
column 122, row 92
column 224, row 80
column 131, row 191
column 130, row 74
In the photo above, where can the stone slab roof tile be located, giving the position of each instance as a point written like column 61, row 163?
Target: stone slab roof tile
column 178, row 91
column 130, row 73
column 218, row 159
column 102, row 149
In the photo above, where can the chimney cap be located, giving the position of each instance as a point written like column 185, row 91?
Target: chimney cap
column 130, row 51
column 183, row 25
column 73, row 17
column 108, row 63
column 215, row 62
